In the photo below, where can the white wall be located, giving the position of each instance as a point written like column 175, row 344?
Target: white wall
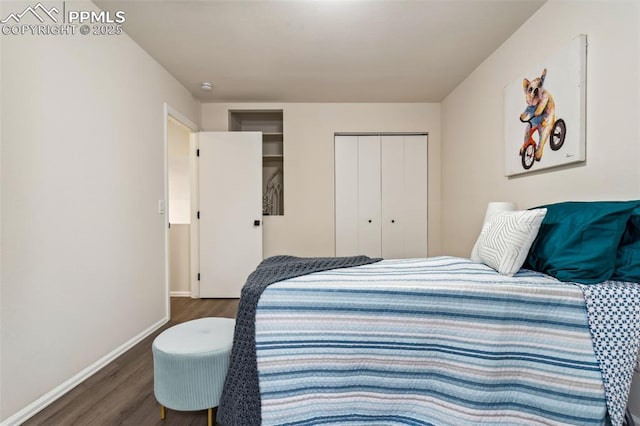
column 83, row 245
column 307, row 227
column 472, row 119
column 1, row 118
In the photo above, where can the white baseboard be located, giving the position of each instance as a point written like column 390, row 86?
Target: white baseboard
column 39, row 404
column 180, row 294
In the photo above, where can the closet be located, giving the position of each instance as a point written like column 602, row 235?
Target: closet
column 271, row 124
column 381, row 195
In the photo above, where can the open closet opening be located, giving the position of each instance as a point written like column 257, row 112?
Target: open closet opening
column 271, row 124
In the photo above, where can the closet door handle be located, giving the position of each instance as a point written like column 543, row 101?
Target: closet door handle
column 393, row 221
column 369, row 220
column 256, row 223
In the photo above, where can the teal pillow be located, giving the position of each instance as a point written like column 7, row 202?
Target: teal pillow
column 578, row 241
column 628, row 260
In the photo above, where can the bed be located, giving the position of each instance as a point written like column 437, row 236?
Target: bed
column 442, row 341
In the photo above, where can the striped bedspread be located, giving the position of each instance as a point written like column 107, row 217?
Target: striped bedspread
column 440, row 341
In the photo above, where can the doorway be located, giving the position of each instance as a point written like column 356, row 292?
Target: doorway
column 179, row 208
column 179, row 189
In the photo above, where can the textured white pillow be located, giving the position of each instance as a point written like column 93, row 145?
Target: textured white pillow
column 505, row 240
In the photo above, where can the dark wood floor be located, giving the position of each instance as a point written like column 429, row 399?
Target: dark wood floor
column 122, row 392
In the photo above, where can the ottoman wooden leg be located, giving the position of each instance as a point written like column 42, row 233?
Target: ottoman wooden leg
column 210, row 417
column 163, row 412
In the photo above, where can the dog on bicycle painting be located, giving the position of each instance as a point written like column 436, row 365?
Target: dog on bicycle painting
column 540, row 113
column 540, row 116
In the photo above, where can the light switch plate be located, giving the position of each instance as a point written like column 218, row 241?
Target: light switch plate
column 161, row 206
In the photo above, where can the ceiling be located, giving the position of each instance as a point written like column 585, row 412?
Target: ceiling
column 322, row 50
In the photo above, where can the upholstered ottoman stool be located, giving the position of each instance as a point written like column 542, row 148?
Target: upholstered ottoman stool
column 190, row 362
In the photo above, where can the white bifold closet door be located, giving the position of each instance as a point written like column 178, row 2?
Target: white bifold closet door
column 381, row 195
column 414, row 219
column 346, row 193
column 392, row 197
column 230, row 207
column 369, row 238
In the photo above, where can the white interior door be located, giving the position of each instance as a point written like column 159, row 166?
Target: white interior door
column 415, row 193
column 230, row 203
column 346, row 187
column 369, row 239
column 393, row 197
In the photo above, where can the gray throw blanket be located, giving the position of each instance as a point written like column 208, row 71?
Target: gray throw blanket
column 240, row 401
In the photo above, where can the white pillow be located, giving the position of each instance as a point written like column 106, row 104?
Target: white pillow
column 505, row 240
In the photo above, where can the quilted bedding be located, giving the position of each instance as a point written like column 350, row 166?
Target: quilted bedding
column 443, row 341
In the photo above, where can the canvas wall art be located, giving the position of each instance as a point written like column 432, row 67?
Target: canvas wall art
column 544, row 112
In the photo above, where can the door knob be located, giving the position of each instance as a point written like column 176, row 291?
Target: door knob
column 256, row 223
column 369, row 220
column 393, row 221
